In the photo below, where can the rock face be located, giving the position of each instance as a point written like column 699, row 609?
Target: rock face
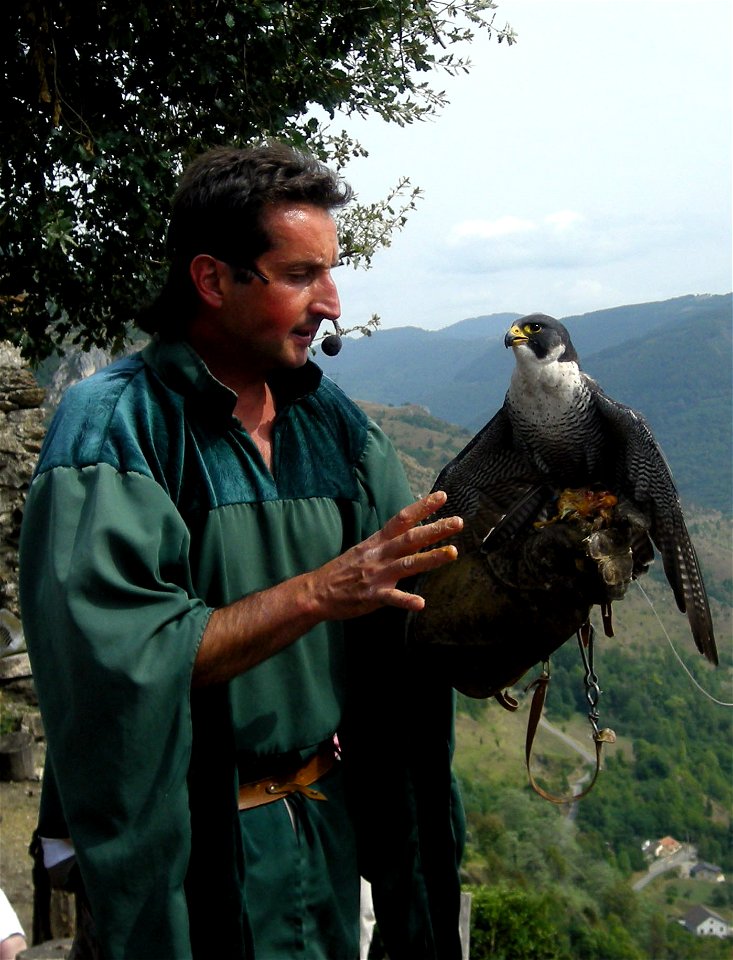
column 75, row 365
column 22, row 431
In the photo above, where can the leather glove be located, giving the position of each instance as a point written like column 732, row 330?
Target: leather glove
column 508, row 603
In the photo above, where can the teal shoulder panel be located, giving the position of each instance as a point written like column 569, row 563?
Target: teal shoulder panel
column 122, row 416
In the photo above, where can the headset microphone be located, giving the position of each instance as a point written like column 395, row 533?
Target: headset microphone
column 331, row 345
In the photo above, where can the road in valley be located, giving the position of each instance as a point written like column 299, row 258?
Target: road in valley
column 585, row 752
column 683, row 860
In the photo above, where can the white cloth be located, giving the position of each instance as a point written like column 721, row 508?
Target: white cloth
column 367, row 919
column 9, row 922
column 55, row 850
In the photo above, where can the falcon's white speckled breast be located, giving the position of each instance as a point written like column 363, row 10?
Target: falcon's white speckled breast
column 550, row 408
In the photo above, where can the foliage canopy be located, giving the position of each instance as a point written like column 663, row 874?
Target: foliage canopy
column 104, row 103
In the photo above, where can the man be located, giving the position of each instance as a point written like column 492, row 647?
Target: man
column 210, row 566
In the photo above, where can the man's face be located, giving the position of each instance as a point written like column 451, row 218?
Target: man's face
column 269, row 325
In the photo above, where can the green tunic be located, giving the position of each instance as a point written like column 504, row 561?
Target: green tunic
column 150, row 507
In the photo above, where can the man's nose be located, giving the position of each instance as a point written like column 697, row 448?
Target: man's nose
column 327, row 302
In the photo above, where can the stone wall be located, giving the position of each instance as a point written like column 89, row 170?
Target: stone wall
column 21, row 434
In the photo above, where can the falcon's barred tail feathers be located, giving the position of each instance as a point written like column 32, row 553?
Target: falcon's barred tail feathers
column 685, row 577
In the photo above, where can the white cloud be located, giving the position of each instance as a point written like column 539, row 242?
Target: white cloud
column 564, row 219
column 560, row 237
column 559, row 240
column 470, row 230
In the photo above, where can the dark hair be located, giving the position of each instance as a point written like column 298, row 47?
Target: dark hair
column 217, row 209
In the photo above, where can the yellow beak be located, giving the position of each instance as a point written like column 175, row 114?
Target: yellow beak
column 514, row 336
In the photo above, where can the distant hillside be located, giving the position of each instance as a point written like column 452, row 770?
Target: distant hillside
column 425, row 443
column 670, row 360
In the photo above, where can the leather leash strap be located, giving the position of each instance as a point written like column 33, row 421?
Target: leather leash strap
column 535, row 713
column 291, row 780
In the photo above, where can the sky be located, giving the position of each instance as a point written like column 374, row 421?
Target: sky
column 586, row 166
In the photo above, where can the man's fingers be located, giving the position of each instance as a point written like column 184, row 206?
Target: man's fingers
column 413, row 565
column 429, row 560
column 405, row 533
column 366, row 576
column 405, row 601
column 413, row 514
column 416, row 563
column 427, row 534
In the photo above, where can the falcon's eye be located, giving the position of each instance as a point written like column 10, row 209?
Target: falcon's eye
column 531, row 328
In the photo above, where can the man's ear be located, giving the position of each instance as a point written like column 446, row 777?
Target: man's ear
column 207, row 274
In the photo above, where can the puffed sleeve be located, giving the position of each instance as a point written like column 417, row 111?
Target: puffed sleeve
column 382, row 481
column 113, row 628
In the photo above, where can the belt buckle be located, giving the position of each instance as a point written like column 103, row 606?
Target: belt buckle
column 286, row 789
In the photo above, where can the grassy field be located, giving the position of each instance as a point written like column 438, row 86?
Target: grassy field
column 674, row 896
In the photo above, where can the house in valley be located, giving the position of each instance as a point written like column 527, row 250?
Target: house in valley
column 705, row 923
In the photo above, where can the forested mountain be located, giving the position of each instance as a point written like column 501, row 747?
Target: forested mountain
column 670, row 360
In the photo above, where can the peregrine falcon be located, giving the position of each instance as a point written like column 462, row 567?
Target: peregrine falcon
column 558, row 435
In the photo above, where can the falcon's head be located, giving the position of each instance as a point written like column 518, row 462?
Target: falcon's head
column 545, row 337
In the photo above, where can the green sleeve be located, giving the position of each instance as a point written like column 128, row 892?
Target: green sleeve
column 382, row 481
column 113, row 628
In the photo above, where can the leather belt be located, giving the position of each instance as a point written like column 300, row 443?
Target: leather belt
column 292, row 779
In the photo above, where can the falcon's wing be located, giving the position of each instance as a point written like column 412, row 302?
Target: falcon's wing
column 485, row 481
column 644, row 477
